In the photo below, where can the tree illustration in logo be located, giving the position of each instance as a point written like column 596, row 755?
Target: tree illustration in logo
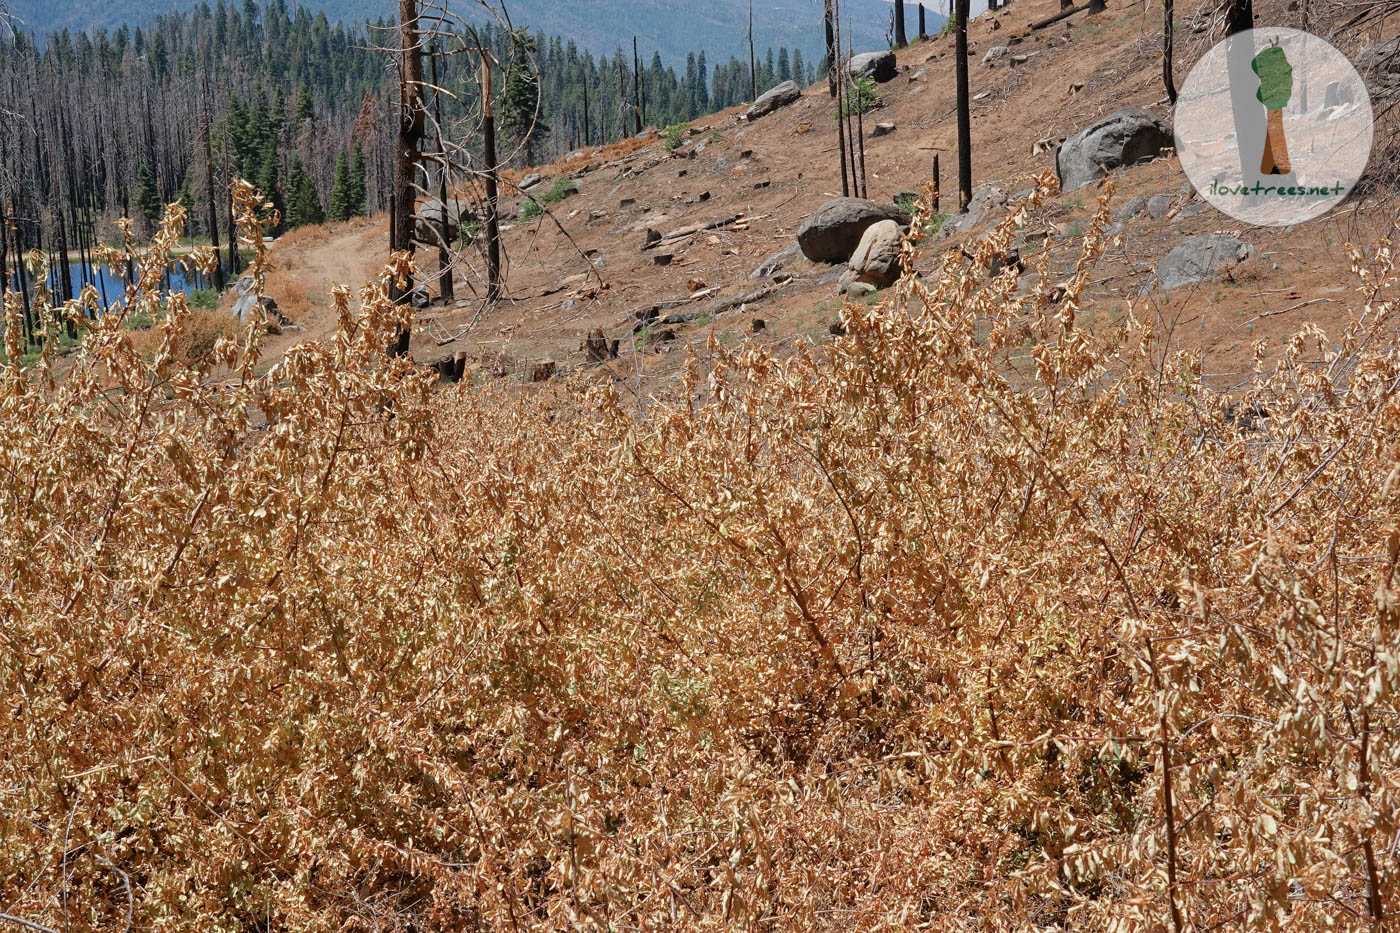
column 1275, row 88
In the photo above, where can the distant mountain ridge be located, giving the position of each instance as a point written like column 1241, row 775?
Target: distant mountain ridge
column 671, row 27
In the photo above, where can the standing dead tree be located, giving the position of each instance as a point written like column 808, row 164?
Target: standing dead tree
column 411, row 132
column 753, row 62
column 961, row 10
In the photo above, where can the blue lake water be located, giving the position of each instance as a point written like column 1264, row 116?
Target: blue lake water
column 111, row 286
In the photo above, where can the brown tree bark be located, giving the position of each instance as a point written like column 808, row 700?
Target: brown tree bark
column 488, row 146
column 961, row 8
column 406, row 155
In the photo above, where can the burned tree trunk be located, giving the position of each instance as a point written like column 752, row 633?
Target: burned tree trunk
column 833, row 73
column 445, row 289
column 206, row 130
column 1239, row 16
column 964, row 108
column 636, row 86
column 406, row 153
column 831, row 58
column 1168, row 31
column 753, row 62
column 900, row 40
column 488, row 148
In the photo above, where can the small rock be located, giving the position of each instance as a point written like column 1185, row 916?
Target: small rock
column 722, row 165
column 860, row 289
column 776, row 262
column 529, row 181
column 995, row 54
column 1159, row 205
column 917, row 76
column 984, row 199
column 695, row 285
column 1132, row 208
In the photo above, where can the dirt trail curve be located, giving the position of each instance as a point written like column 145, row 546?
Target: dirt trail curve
column 307, row 263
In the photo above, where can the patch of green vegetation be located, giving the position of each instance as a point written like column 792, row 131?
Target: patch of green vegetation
column 673, row 133
column 204, row 299
column 138, row 319
column 861, row 97
column 1075, row 230
column 563, row 187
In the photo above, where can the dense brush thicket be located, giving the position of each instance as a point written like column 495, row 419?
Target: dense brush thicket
column 970, row 619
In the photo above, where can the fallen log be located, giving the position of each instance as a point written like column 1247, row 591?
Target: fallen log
column 1065, row 14
column 684, row 232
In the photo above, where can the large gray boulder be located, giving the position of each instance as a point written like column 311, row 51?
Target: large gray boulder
column 833, row 232
column 1123, row 138
column 876, row 259
column 429, row 218
column 786, row 93
column 1201, row 257
column 877, row 65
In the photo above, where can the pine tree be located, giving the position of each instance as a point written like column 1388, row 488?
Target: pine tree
column 146, row 201
column 359, row 194
column 799, row 71
column 303, row 111
column 303, row 204
column 522, row 117
column 342, row 197
column 784, row 68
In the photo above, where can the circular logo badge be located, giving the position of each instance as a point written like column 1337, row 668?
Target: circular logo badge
column 1273, row 126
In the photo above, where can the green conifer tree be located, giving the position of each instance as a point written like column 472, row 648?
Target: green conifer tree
column 303, row 204
column 359, row 194
column 144, row 199
column 342, row 197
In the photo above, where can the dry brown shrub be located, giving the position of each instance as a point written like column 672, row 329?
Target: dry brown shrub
column 881, row 636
